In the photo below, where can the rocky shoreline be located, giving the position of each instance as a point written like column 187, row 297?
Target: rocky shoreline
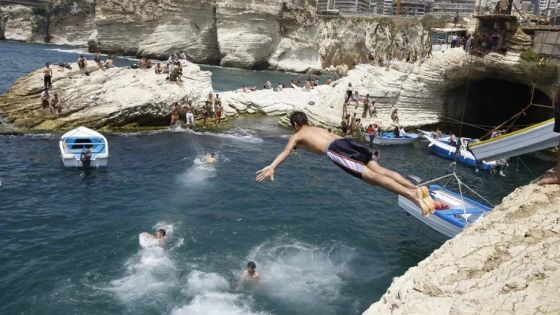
column 508, row 263
column 425, row 93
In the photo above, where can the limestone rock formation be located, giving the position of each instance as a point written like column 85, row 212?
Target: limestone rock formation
column 17, row 22
column 508, row 263
column 255, row 34
column 112, row 98
column 157, row 28
column 423, row 92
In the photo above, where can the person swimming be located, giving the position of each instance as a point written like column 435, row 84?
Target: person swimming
column 211, row 158
column 250, row 274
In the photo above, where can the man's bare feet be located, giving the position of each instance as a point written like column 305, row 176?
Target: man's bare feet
column 420, row 201
column 549, row 180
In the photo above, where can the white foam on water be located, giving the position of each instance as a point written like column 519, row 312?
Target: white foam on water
column 151, row 273
column 236, row 134
column 303, row 277
column 208, row 296
column 71, row 51
column 199, row 173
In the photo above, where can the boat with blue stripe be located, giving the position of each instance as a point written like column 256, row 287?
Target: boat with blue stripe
column 83, row 147
column 443, row 148
column 462, row 211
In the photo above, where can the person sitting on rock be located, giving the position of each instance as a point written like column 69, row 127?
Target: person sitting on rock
column 108, row 63
column 45, row 99
column 82, row 63
column 55, row 105
column 157, row 68
column 182, row 55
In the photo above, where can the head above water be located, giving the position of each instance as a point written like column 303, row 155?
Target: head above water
column 160, row 232
column 251, row 266
column 298, row 119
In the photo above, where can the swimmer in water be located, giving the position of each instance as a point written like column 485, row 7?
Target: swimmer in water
column 160, row 236
column 211, row 158
column 250, row 274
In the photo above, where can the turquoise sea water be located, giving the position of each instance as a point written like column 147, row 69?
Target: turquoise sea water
column 325, row 242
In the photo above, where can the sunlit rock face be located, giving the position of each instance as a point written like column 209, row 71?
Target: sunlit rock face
column 157, row 28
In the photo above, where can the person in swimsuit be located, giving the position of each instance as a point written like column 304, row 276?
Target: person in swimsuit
column 45, row 99
column 205, row 113
column 217, row 110
column 47, row 76
column 250, row 274
column 82, row 63
column 353, row 157
column 97, row 60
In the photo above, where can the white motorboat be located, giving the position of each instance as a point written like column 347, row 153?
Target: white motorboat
column 533, row 138
column 83, row 147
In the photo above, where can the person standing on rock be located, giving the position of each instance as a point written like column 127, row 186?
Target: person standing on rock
column 189, row 116
column 353, row 157
column 97, row 60
column 218, row 108
column 349, row 92
column 553, row 176
column 372, row 110
column 366, row 106
column 47, row 76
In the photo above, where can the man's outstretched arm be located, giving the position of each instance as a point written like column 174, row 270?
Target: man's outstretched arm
column 269, row 170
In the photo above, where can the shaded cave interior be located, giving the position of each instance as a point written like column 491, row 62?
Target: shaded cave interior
column 491, row 102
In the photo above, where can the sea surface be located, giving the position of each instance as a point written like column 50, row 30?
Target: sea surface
column 324, row 242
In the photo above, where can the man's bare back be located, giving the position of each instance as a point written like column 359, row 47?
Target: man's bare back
column 314, row 139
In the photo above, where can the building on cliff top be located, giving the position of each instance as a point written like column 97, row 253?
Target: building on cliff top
column 343, row 5
column 453, row 7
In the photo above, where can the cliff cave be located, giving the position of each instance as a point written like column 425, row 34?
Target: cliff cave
column 490, row 102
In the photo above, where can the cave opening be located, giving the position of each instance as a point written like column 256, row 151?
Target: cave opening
column 489, row 103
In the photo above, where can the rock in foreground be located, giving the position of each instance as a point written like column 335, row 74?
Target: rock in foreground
column 509, row 263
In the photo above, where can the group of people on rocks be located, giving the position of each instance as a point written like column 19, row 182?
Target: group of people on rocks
column 401, row 53
column 212, row 108
column 351, row 124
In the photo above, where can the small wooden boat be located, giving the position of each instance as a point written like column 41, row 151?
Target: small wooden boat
column 533, row 138
column 83, row 147
column 388, row 138
column 443, row 148
column 461, row 213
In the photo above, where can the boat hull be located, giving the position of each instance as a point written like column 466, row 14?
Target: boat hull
column 382, row 140
column 442, row 221
column 82, row 140
column 450, row 152
column 523, row 141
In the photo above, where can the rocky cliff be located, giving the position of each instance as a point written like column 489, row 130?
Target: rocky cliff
column 251, row 34
column 115, row 97
column 424, row 92
column 508, row 263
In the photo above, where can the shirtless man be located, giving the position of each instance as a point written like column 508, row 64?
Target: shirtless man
column 82, row 63
column 47, row 76
column 217, row 110
column 352, row 157
column 97, row 60
column 211, row 158
column 250, row 274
